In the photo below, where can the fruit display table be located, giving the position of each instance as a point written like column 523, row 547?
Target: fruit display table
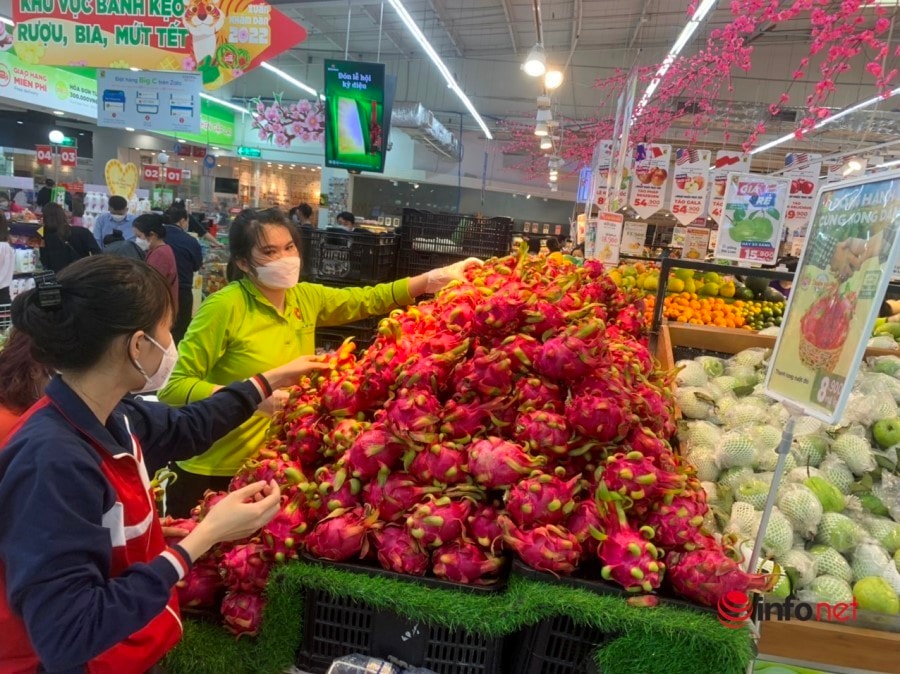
column 633, row 640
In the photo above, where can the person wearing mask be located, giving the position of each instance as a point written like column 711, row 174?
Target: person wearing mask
column 89, row 580
column 194, row 226
column 346, row 221
column 115, row 244
column 150, row 237
column 117, row 218
column 7, row 262
column 63, row 244
column 265, row 316
column 22, row 381
column 188, row 258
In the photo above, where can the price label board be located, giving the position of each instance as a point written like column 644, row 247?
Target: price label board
column 847, row 260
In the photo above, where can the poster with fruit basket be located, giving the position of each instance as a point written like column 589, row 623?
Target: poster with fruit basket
column 689, row 191
column 753, row 218
column 844, row 270
column 651, row 172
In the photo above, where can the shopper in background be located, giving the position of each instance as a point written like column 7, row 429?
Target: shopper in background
column 115, row 244
column 7, row 262
column 188, row 258
column 264, row 317
column 150, row 237
column 303, row 214
column 22, row 381
column 194, row 226
column 63, row 245
column 553, row 244
column 346, row 221
column 78, row 213
column 45, row 195
column 117, row 218
column 89, row 582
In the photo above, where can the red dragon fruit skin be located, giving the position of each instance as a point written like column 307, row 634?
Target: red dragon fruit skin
column 628, row 556
column 543, row 432
column 543, row 318
column 339, row 396
column 567, row 358
column 413, row 415
column 708, row 574
column 548, row 548
column 210, row 499
column 463, row 561
column 201, row 587
column 496, row 463
column 339, row 439
column 282, row 536
column 637, row 477
column 244, row 568
column 484, row 528
column 398, row 551
column 539, row 394
column 336, row 490
column 603, row 419
column 541, row 499
column 679, row 524
column 394, row 495
column 442, row 463
column 242, row 612
column 521, row 350
column 438, row 521
column 342, row 534
column 487, row 375
column 586, row 523
column 373, row 451
column 462, row 421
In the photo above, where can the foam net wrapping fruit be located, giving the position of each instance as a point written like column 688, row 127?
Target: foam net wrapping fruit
column 517, row 412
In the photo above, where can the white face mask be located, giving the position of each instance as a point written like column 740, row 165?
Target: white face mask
column 280, row 274
column 161, row 377
column 117, row 218
column 143, row 244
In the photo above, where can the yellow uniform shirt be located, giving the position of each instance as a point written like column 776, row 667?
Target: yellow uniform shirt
column 237, row 333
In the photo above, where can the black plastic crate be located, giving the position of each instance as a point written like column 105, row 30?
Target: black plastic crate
column 330, row 339
column 335, row 626
column 349, row 258
column 452, row 234
column 557, row 646
column 413, row 262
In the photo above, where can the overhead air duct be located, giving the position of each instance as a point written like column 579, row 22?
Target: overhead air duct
column 420, row 124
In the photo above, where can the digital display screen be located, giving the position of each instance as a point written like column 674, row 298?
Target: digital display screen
column 355, row 109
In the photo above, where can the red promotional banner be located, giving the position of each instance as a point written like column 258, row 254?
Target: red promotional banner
column 198, row 151
column 688, row 201
column 173, row 176
column 220, row 40
column 68, row 156
column 150, row 173
column 44, row 154
column 651, row 173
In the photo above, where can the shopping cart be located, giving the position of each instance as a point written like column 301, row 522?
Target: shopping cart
column 5, row 317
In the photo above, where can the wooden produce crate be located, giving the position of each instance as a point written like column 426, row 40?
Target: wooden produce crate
column 822, row 643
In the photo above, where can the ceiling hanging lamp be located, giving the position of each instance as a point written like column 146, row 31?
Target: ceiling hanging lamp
column 536, row 63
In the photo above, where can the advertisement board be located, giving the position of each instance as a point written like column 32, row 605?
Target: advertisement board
column 753, row 218
column 148, row 101
column 355, row 116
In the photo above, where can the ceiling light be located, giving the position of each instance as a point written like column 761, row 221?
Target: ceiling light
column 554, row 177
column 19, row 121
column 292, row 166
column 544, row 115
column 129, row 128
column 60, row 113
column 828, row 120
column 540, row 129
column 8, row 22
column 852, row 166
column 225, row 104
column 553, row 79
column 135, row 70
column 180, row 140
column 433, row 55
column 546, row 143
column 528, row 196
column 888, row 164
column 215, row 149
column 690, row 28
column 287, row 78
column 536, row 63
column 56, row 136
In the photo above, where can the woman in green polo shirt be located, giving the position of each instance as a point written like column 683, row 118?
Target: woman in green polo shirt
column 262, row 319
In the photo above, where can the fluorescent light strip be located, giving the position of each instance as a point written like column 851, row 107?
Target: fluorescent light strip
column 432, row 54
column 287, row 78
column 686, row 33
column 226, row 104
column 888, row 164
column 828, row 120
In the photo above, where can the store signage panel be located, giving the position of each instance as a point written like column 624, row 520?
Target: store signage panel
column 633, row 236
column 173, row 176
column 219, row 40
column 651, row 173
column 150, row 173
column 609, row 234
column 726, row 162
column 354, row 115
column 44, row 154
column 696, row 243
column 691, row 186
column 68, row 156
column 46, row 87
column 841, row 279
column 149, row 101
column 753, row 218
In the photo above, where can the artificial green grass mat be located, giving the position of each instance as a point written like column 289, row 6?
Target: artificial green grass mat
column 659, row 640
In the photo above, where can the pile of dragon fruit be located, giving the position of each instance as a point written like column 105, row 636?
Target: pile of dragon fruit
column 518, row 412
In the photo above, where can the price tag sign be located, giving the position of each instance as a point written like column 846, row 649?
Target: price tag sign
column 44, row 154
column 850, row 252
column 68, row 156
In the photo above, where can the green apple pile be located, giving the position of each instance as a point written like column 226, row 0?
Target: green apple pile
column 886, row 334
column 834, row 533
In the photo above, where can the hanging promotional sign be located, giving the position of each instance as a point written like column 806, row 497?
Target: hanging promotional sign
column 726, row 162
column 219, row 39
column 846, row 170
column 633, row 236
column 651, row 173
column 47, row 87
column 68, row 156
column 151, row 173
column 691, row 185
column 803, row 170
column 591, row 226
column 355, row 115
column 678, row 235
column 44, row 154
column 121, row 179
column 696, row 243
column 609, row 234
column 174, row 176
column 840, row 282
column 620, row 175
column 149, row 101
column 602, row 163
column 753, row 218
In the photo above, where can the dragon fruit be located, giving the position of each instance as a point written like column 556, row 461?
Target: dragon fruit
column 586, row 524
column 443, row 463
column 539, row 394
column 282, row 535
column 521, row 350
column 649, row 444
column 631, row 320
column 242, row 612
column 548, row 548
column 394, row 495
column 342, row 534
column 496, row 463
column 373, row 451
column 269, row 466
column 542, row 499
column 244, row 568
column 500, row 313
column 413, row 415
column 438, row 521
column 340, row 396
column 484, row 527
column 431, row 371
column 568, row 358
column 201, row 586
column 603, row 419
column 707, row 574
column 210, row 499
column 340, row 439
column 637, row 477
column 487, row 375
column 543, row 318
column 678, row 525
column 543, row 432
column 460, row 421
column 463, row 561
column 398, row 551
column 628, row 556
column 304, row 431
column 335, row 490
column 187, row 525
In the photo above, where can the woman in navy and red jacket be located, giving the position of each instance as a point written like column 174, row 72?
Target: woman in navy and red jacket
column 86, row 578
